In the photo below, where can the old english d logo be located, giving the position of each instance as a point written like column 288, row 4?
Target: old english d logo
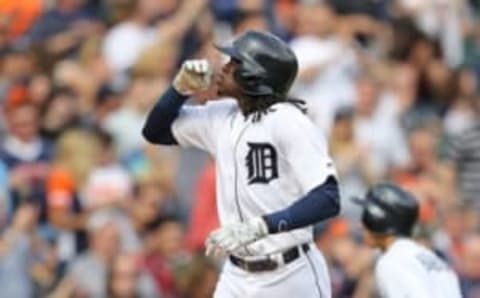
column 261, row 163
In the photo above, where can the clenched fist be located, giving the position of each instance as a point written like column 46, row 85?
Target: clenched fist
column 194, row 76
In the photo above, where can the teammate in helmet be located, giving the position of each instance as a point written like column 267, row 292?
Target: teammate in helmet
column 405, row 269
column 275, row 178
column 388, row 212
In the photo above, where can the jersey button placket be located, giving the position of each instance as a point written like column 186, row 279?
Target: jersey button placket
column 236, row 145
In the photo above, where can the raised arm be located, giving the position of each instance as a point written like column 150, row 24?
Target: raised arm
column 192, row 77
column 174, row 28
column 157, row 128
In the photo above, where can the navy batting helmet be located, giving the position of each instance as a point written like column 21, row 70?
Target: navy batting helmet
column 388, row 209
column 267, row 65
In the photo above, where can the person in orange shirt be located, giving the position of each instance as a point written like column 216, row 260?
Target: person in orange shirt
column 70, row 169
column 16, row 17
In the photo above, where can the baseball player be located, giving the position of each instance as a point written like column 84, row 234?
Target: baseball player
column 405, row 268
column 274, row 175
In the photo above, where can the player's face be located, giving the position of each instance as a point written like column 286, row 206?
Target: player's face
column 376, row 240
column 224, row 81
column 370, row 238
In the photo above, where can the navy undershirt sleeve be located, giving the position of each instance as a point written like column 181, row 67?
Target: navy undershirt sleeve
column 157, row 128
column 319, row 204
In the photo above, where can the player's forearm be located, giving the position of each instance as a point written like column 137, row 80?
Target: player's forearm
column 319, row 204
column 157, row 128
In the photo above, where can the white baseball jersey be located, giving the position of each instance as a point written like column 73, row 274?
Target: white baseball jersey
column 262, row 166
column 409, row 270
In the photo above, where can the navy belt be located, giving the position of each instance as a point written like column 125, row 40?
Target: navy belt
column 269, row 264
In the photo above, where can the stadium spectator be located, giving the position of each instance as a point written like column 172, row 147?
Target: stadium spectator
column 4, row 196
column 62, row 29
column 26, row 155
column 199, row 278
column 427, row 175
column 17, row 255
column 353, row 163
column 60, row 113
column 17, row 17
column 125, row 123
column 127, row 280
column 327, row 63
column 138, row 32
column 164, row 250
column 461, row 114
column 464, row 153
column 89, row 271
column 70, row 170
column 470, row 272
column 376, row 131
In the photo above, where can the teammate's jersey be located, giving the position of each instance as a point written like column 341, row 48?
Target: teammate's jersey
column 262, row 166
column 409, row 270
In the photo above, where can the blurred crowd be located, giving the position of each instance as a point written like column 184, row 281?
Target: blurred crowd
column 89, row 209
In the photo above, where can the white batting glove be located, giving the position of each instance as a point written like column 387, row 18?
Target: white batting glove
column 194, row 76
column 229, row 238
